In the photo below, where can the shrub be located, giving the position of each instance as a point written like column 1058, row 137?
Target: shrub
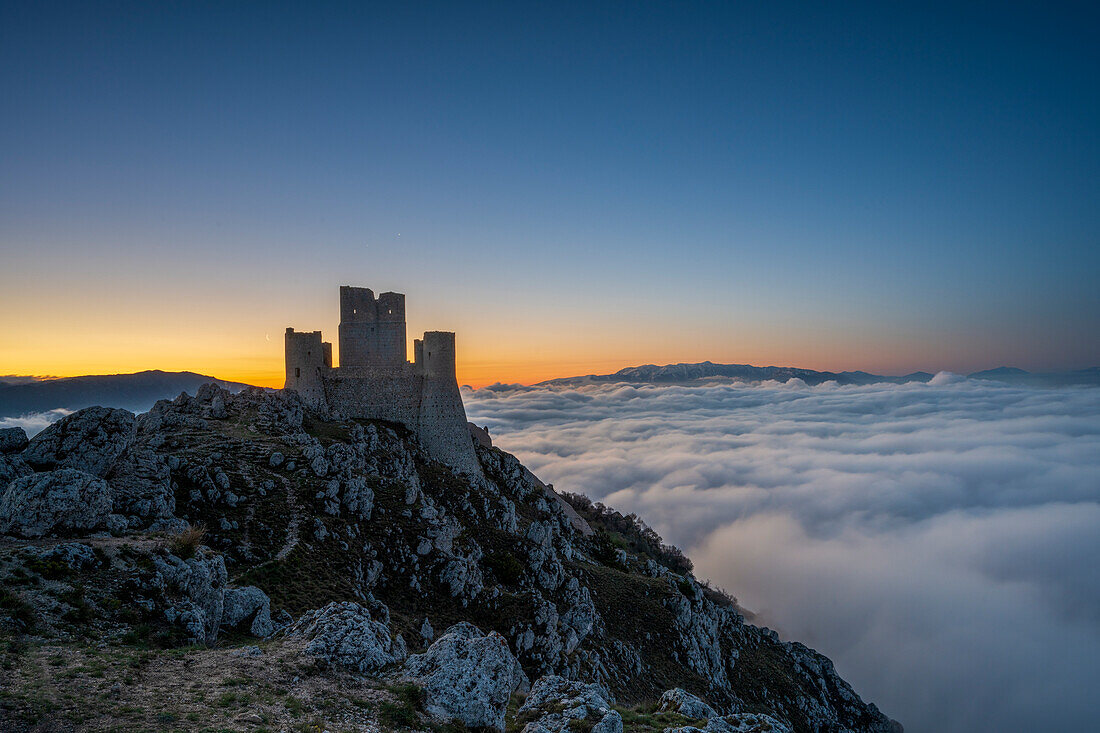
column 187, row 542
column 603, row 547
column 630, row 533
column 507, row 569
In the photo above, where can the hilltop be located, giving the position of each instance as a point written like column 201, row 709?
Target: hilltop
column 136, row 392
column 246, row 562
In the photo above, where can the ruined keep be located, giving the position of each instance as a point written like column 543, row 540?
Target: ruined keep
column 375, row 380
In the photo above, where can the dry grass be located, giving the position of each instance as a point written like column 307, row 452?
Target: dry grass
column 187, row 542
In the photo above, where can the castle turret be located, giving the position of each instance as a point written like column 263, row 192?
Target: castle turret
column 372, row 330
column 437, row 354
column 306, row 356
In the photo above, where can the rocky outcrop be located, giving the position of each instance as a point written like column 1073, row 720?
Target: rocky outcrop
column 683, row 702
column 75, row 556
column 12, row 466
column 556, row 704
column 62, row 502
column 141, row 484
column 12, row 440
column 195, row 590
column 349, row 636
column 312, row 508
column 247, row 609
column 738, row 723
column 468, row 676
column 88, row 440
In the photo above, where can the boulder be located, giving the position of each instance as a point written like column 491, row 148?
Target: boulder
column 12, row 440
column 12, row 467
column 557, row 704
column 683, row 702
column 195, row 590
column 73, row 555
column 55, row 502
column 468, row 676
column 88, row 440
column 249, row 609
column 141, row 485
column 346, row 635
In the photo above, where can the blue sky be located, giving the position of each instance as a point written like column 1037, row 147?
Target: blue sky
column 854, row 186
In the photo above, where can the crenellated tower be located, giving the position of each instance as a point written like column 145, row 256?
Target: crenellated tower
column 375, row 380
column 372, row 330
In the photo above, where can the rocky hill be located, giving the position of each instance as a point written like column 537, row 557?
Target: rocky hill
column 136, row 391
column 238, row 562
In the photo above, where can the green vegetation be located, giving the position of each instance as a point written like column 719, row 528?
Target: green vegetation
column 644, row 719
column 630, row 533
column 507, row 569
column 48, row 568
column 13, row 605
column 402, row 712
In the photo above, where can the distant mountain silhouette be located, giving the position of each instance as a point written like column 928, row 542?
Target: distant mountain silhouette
column 674, row 373
column 135, row 392
column 1013, row 375
column 703, row 370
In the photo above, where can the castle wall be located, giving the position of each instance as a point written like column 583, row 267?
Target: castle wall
column 375, row 393
column 442, row 429
column 306, row 356
column 430, row 406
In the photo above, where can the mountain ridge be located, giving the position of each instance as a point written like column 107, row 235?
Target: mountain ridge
column 136, row 391
column 334, row 548
column 687, row 372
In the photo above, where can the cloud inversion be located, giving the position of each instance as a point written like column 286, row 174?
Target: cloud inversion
column 938, row 541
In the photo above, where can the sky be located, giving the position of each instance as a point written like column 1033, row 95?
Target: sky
column 571, row 187
column 938, row 542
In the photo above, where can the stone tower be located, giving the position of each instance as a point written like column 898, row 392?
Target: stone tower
column 306, row 355
column 376, row 381
column 372, row 331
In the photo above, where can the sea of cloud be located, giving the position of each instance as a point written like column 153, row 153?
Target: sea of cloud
column 940, row 542
column 35, row 422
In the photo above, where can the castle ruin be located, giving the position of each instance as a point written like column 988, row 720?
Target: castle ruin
column 376, row 381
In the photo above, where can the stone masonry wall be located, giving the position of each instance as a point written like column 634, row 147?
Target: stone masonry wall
column 429, row 406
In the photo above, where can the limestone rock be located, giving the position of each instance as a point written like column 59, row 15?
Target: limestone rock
column 196, row 590
column 141, row 484
column 12, row 467
column 249, row 608
column 738, row 723
column 468, row 676
column 12, row 440
column 345, row 635
column 54, row 502
column 88, row 440
column 462, row 575
column 558, row 702
column 683, row 702
column 74, row 555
